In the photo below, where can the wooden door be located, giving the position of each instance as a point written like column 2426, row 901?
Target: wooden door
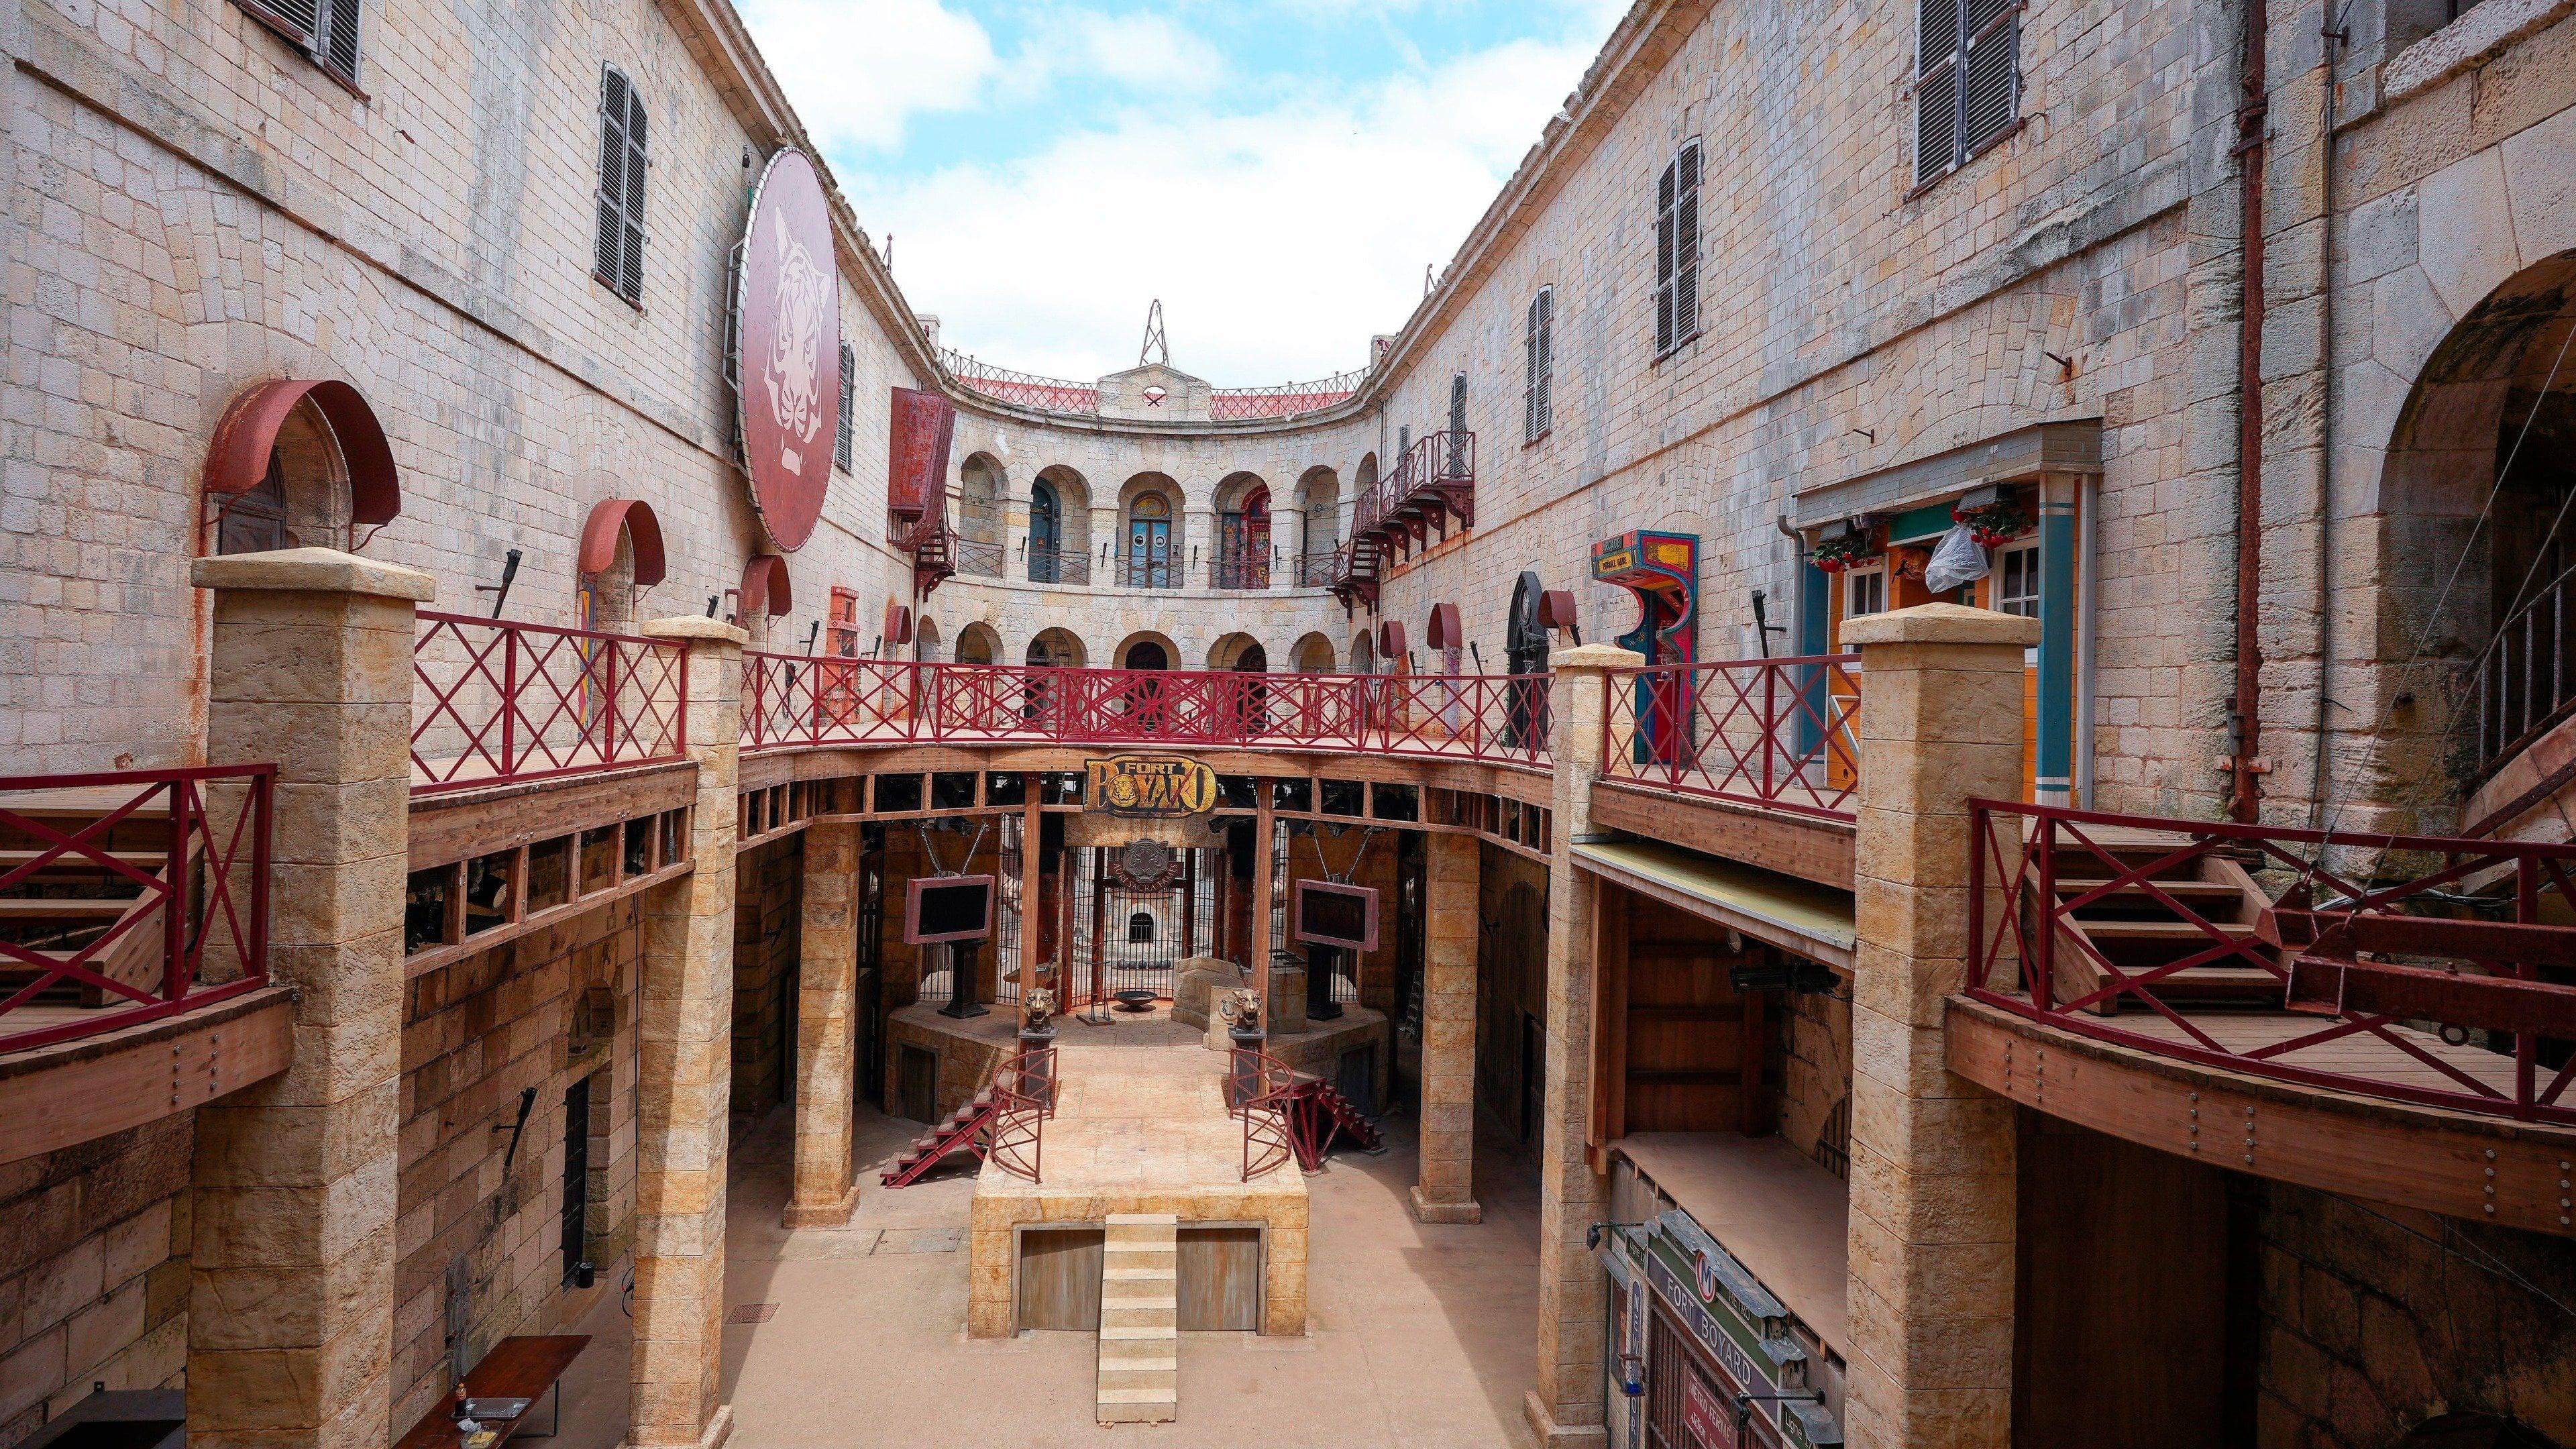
column 1219, row 1273
column 917, row 1083
column 1060, row 1278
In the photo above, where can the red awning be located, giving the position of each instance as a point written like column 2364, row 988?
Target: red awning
column 238, row 458
column 633, row 517
column 1444, row 632
column 898, row 623
column 764, row 586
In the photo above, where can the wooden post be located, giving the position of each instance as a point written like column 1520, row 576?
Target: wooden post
column 1189, row 901
column 1032, row 887
column 1261, row 831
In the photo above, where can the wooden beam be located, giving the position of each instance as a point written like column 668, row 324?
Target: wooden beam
column 1816, row 850
column 78, row 1091
column 449, row 828
column 2480, row 1169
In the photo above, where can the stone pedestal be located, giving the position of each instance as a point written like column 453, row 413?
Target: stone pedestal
column 1565, row 1407
column 685, row 1082
column 827, row 986
column 1932, row 1155
column 291, row 1294
column 1446, row 1190
column 1287, row 998
column 1197, row 984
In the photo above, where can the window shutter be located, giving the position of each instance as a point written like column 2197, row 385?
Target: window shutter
column 1686, row 246
column 1936, row 93
column 1546, row 359
column 1529, row 373
column 1664, row 258
column 841, row 453
column 304, row 17
column 337, row 44
column 630, row 281
column 1993, row 80
column 618, row 258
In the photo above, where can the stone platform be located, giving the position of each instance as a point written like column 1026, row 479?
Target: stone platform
column 1140, row 1127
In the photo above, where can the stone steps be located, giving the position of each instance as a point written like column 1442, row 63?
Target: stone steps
column 1139, row 1321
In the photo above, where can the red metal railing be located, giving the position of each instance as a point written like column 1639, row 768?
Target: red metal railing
column 1024, row 1096
column 1260, row 1092
column 2378, row 937
column 130, row 896
column 495, row 699
column 792, row 700
column 1779, row 733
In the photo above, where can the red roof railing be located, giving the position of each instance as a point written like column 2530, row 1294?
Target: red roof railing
column 130, row 896
column 1783, row 734
column 496, row 700
column 2394, row 967
column 793, row 700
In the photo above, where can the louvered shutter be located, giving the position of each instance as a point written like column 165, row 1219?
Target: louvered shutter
column 337, row 44
column 630, row 280
column 608, row 262
column 1992, row 69
column 849, row 387
column 1546, row 359
column 1529, row 373
column 1936, row 92
column 303, row 17
column 1664, row 258
column 1686, row 246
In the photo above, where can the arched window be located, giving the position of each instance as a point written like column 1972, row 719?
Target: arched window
column 1140, row 929
column 1046, row 535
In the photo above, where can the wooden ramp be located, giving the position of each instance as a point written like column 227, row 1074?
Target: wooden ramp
column 1140, row 1320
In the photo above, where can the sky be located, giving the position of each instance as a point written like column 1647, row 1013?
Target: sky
column 1278, row 172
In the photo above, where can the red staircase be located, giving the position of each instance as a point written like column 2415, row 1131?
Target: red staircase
column 1320, row 1111
column 1285, row 1111
column 1004, row 1121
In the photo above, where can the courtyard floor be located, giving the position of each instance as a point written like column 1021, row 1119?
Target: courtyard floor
column 1421, row 1336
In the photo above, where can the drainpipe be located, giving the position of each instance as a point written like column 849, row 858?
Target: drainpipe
column 2245, row 718
column 2319, row 773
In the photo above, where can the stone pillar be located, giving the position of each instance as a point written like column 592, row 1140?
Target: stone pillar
column 1288, row 531
column 1932, row 1155
column 827, row 991
column 1445, row 1191
column 685, row 1085
column 291, row 1294
column 1565, row 1408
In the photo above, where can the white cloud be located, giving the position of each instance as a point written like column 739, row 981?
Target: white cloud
column 1279, row 240
column 857, row 72
column 1138, row 50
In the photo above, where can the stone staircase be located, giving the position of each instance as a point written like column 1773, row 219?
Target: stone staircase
column 1139, row 1321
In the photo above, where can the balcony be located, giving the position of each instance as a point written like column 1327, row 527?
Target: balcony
column 1056, row 566
column 1315, row 570
column 978, row 560
column 1249, row 571
column 1430, row 489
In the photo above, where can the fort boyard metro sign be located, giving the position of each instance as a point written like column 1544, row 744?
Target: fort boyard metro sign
column 1149, row 787
column 787, row 329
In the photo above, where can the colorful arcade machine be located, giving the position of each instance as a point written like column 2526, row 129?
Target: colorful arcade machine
column 1662, row 570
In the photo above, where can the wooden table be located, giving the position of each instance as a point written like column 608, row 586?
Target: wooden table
column 517, row 1368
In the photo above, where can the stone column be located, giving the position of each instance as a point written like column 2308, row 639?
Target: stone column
column 1446, row 1189
column 827, row 991
column 291, row 1294
column 1565, row 1408
column 1932, row 1155
column 1288, row 531
column 686, row 1081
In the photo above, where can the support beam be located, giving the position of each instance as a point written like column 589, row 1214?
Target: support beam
column 1565, row 1407
column 1932, row 1154
column 685, row 1085
column 825, row 1191
column 1446, row 1190
column 291, row 1295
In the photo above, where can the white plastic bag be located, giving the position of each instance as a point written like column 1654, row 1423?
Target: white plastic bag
column 1958, row 560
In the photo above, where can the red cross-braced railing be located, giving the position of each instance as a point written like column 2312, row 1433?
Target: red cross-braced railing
column 496, row 700
column 1779, row 733
column 793, row 700
column 2414, row 969
column 130, row 896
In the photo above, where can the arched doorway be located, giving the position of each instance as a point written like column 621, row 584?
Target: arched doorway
column 298, row 462
column 1046, row 534
column 925, row 641
column 1146, row 654
column 1055, row 649
column 1313, row 655
column 977, row 643
column 1243, row 534
column 1149, row 543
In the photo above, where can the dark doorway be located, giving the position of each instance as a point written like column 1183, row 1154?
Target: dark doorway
column 1146, row 654
column 917, row 1084
column 1533, row 1075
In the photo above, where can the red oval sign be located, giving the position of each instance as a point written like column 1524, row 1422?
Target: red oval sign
column 788, row 325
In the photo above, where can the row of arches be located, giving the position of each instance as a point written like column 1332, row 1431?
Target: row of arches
column 1060, row 648
column 1141, row 538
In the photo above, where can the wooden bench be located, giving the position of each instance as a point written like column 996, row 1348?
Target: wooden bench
column 523, row 1367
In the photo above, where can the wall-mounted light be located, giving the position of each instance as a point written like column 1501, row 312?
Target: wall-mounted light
column 711, row 605
column 811, row 635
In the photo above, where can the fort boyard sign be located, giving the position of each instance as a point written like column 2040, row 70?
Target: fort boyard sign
column 1149, row 787
column 787, row 329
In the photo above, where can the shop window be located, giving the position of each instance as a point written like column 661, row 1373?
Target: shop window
column 1864, row 592
column 2017, row 580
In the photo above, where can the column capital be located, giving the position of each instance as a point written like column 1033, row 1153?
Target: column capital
column 311, row 571
column 1594, row 657
column 1941, row 624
